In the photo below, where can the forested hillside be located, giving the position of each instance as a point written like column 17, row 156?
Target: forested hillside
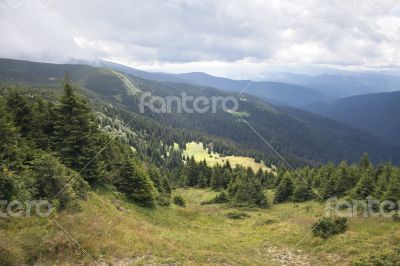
column 299, row 136
column 375, row 113
column 84, row 156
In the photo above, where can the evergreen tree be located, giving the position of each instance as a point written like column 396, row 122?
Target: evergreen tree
column 245, row 190
column 393, row 188
column 285, row 189
column 76, row 136
column 302, row 192
column 365, row 163
column 8, row 136
column 136, row 184
column 366, row 185
column 52, row 178
column 19, row 106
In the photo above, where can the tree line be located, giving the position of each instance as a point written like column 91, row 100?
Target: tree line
column 57, row 149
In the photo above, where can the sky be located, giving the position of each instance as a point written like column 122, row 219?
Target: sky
column 236, row 39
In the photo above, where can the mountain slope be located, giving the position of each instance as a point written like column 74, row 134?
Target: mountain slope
column 275, row 92
column 375, row 112
column 343, row 84
column 299, row 136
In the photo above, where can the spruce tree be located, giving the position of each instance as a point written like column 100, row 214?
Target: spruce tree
column 365, row 186
column 136, row 184
column 76, row 136
column 393, row 188
column 285, row 189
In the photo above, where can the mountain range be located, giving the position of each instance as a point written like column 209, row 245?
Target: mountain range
column 299, row 136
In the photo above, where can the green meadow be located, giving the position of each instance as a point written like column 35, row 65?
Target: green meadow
column 113, row 230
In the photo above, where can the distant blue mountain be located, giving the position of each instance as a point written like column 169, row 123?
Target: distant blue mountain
column 378, row 113
column 276, row 92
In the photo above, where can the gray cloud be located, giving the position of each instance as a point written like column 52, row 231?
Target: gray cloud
column 179, row 35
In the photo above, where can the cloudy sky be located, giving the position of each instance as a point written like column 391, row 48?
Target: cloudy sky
column 239, row 39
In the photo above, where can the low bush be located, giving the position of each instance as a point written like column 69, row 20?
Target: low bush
column 179, row 201
column 396, row 217
column 237, row 215
column 220, row 198
column 381, row 258
column 327, row 227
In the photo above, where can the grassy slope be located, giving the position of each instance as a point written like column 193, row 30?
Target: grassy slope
column 195, row 235
column 196, row 149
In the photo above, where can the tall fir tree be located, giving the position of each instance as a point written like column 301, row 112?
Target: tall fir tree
column 76, row 136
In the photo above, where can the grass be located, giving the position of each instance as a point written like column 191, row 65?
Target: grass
column 194, row 235
column 199, row 153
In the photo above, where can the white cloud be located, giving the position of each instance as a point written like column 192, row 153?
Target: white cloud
column 236, row 38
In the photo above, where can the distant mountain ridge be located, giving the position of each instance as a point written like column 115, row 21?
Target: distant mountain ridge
column 275, row 92
column 301, row 137
column 377, row 113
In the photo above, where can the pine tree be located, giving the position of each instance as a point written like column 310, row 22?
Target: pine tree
column 302, row 192
column 21, row 109
column 76, row 136
column 365, row 163
column 383, row 180
column 136, row 184
column 245, row 190
column 393, row 188
column 285, row 189
column 365, row 186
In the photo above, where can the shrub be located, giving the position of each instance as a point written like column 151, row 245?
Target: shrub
column 381, row 258
column 179, row 201
column 237, row 215
column 396, row 217
column 246, row 191
column 327, row 227
column 220, row 198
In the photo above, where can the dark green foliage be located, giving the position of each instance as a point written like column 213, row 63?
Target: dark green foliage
column 162, row 185
column 365, row 186
column 54, row 179
column 8, row 135
column 245, row 190
column 237, row 215
column 380, row 258
column 136, row 183
column 393, row 188
column 221, row 176
column 179, row 201
column 284, row 190
column 356, row 181
column 76, row 136
column 21, row 109
column 302, row 192
column 69, row 130
column 327, row 227
column 7, row 186
column 222, row 197
column 396, row 217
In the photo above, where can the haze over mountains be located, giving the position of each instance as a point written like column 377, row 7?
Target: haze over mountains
column 282, row 88
column 377, row 113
